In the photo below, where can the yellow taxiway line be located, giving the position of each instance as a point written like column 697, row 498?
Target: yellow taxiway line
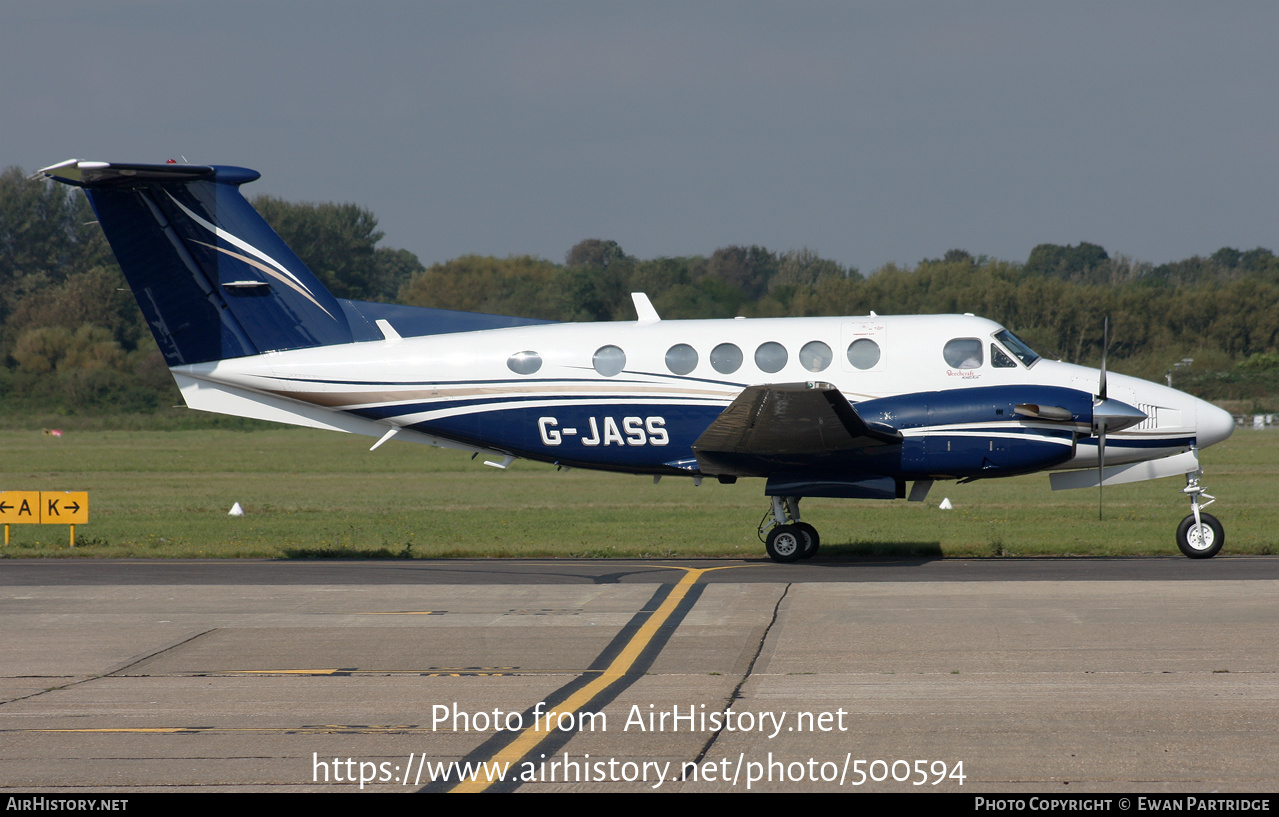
column 532, row 736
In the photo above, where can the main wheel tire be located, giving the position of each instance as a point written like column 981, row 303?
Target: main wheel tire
column 785, row 543
column 813, row 541
column 1200, row 542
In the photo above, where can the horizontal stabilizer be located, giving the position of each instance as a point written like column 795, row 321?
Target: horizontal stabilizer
column 219, row 398
column 116, row 174
column 1173, row 466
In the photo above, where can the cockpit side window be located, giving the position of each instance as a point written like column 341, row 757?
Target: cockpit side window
column 963, row 353
column 1000, row 360
column 1018, row 347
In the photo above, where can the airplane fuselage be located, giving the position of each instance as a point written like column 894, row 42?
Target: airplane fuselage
column 635, row 396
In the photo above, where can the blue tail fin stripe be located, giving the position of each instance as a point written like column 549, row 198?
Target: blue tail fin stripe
column 212, row 278
column 297, row 285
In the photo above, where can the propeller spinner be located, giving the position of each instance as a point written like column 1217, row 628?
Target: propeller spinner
column 1108, row 415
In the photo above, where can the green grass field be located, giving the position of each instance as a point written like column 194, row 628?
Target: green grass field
column 310, row 494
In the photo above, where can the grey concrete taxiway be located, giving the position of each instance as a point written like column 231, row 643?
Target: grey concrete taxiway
column 1057, row 675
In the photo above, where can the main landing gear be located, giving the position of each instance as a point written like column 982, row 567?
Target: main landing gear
column 785, row 537
column 1199, row 535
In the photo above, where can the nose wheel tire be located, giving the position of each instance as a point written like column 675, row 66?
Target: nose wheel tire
column 1200, row 541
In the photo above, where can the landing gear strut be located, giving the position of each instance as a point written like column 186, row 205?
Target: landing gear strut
column 785, row 537
column 1199, row 535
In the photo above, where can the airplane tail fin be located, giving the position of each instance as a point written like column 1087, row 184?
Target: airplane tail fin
column 213, row 279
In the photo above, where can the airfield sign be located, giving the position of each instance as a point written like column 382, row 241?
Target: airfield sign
column 44, row 508
column 64, row 507
column 20, row 507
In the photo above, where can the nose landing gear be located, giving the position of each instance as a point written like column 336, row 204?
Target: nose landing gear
column 1200, row 535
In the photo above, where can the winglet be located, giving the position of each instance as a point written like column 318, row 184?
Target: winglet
column 644, row 308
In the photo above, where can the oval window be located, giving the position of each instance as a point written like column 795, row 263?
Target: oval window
column 524, row 362
column 726, row 358
column 863, row 353
column 770, row 357
column 963, row 353
column 815, row 356
column 681, row 358
column 609, row 360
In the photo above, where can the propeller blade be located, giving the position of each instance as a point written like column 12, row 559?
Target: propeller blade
column 1101, row 461
column 1101, row 420
column 1105, row 344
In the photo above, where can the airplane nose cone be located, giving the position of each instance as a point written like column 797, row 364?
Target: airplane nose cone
column 1214, row 424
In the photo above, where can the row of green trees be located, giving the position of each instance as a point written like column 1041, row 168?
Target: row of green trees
column 1223, row 310
column 71, row 336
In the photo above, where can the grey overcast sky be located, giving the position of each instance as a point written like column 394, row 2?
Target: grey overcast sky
column 867, row 132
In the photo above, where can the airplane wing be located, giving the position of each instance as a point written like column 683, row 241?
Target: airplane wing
column 783, row 426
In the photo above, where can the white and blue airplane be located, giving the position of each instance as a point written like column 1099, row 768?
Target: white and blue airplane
column 855, row 406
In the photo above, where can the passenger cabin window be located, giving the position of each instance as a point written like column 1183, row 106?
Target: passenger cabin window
column 1000, row 360
column 681, row 358
column 726, row 358
column 770, row 357
column 609, row 360
column 524, row 362
column 863, row 353
column 963, row 353
column 815, row 356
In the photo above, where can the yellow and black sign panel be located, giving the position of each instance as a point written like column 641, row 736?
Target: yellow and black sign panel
column 44, row 507
column 23, row 507
column 64, row 507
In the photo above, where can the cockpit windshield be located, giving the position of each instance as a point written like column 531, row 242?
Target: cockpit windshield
column 1018, row 347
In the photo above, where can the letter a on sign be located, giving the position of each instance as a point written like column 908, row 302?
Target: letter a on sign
column 20, row 507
